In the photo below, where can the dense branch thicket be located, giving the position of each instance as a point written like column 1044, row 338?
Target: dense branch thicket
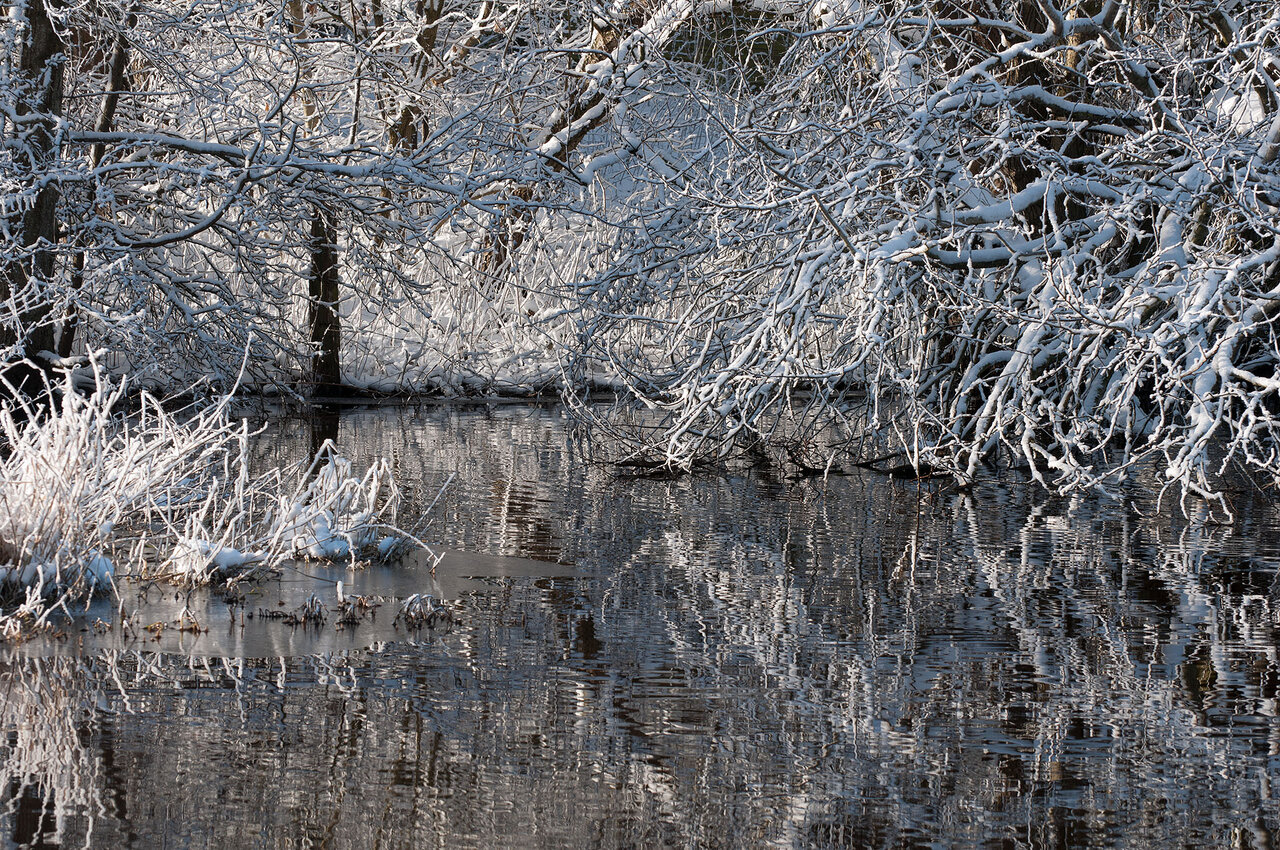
column 1035, row 232
column 1051, row 235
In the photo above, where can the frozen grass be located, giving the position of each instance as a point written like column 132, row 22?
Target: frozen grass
column 85, row 490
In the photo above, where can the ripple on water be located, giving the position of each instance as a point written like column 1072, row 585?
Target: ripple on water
column 734, row 660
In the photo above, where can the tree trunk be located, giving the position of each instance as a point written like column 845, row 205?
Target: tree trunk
column 322, row 286
column 117, row 82
column 322, row 306
column 27, row 274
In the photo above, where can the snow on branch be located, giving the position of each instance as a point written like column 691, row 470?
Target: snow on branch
column 1035, row 240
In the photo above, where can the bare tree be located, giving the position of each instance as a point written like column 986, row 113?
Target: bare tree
column 1039, row 233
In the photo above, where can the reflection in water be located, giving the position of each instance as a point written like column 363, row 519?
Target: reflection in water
column 323, row 422
column 731, row 660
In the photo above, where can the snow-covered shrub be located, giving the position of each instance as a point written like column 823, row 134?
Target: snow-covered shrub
column 333, row 514
column 316, row 511
column 85, row 491
column 66, row 481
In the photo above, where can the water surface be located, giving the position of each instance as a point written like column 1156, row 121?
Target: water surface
column 732, row 659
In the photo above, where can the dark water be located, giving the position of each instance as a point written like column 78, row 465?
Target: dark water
column 726, row 660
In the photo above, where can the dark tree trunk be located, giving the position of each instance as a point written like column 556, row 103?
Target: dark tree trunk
column 323, row 319
column 26, row 275
column 117, row 83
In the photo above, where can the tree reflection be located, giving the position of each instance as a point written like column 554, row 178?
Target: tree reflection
column 734, row 661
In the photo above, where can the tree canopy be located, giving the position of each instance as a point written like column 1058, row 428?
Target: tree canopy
column 1038, row 233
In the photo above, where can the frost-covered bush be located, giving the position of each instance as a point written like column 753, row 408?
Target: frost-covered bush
column 335, row 514
column 1041, row 234
column 316, row 511
column 86, row 492
column 67, row 480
